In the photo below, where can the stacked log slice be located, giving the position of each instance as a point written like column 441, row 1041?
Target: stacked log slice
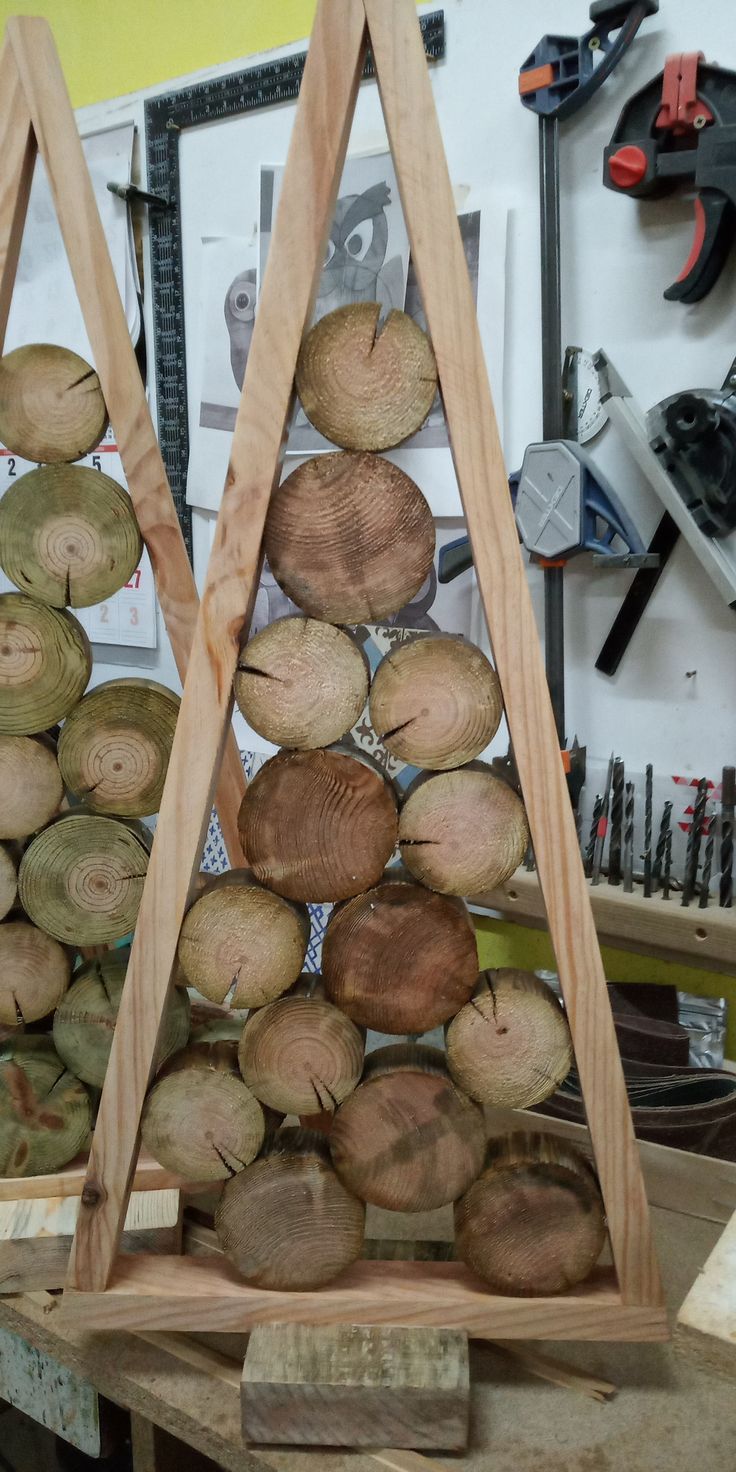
column 31, row 787
column 350, row 538
column 301, row 1055
column 8, row 880
column 81, row 879
column 365, row 387
column 533, row 1223
column 85, row 1019
column 463, row 832
column 400, row 959
column 45, row 1113
column 510, row 1046
column 301, row 683
column 114, row 747
column 318, row 825
column 45, row 663
column 51, row 404
column 34, row 973
column 200, row 1119
column 287, row 1222
column 68, row 535
column 243, row 942
column 435, row 702
column 408, row 1139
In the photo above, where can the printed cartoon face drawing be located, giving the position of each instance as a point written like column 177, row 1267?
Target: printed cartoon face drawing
column 240, row 311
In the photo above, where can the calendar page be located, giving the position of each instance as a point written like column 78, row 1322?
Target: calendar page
column 129, row 617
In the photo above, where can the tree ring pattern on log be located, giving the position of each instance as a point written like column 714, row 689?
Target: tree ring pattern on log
column 51, row 404
column 510, row 1046
column 349, row 537
column 8, row 881
column 115, row 746
column 200, row 1119
column 45, row 1114
column 301, row 1055
column 31, row 788
column 533, row 1223
column 318, row 825
column 463, row 832
column 34, row 973
column 365, row 386
column 435, row 702
column 85, row 1018
column 301, row 683
column 68, row 535
column 287, row 1222
column 81, row 879
column 243, row 942
column 400, row 959
column 45, row 664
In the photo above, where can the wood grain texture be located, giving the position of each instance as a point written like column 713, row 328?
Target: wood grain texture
column 435, row 702
column 81, row 879
column 18, row 153
column 45, row 663
column 340, row 1385
column 430, row 213
column 400, row 959
column 35, row 971
column 462, row 831
column 310, row 183
column 363, row 385
column 51, row 404
column 706, row 1322
column 69, row 1180
column 301, row 683
column 199, row 1119
column 350, row 538
column 85, row 1018
column 114, row 748
column 241, row 942
column 36, row 1234
column 37, row 76
column 45, row 1114
column 31, row 787
column 8, row 880
column 510, row 1045
column 301, row 1055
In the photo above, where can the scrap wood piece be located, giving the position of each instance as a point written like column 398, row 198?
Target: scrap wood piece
column 706, row 1323
column 557, row 1372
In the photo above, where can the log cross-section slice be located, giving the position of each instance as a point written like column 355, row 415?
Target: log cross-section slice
column 200, row 1120
column 301, row 683
column 400, row 959
column 31, row 787
column 350, row 538
column 243, row 942
column 436, row 702
column 81, row 879
column 45, row 663
column 365, row 386
column 510, row 1046
column 34, row 973
column 114, row 748
column 318, row 825
column 533, row 1223
column 85, row 1019
column 45, row 1114
column 463, row 832
column 68, row 535
column 408, row 1139
column 51, row 404
column 8, row 880
column 287, row 1222
column 301, row 1055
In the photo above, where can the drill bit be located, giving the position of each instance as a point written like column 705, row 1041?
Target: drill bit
column 667, row 865
column 664, row 829
column 590, row 846
column 629, row 839
column 728, row 798
column 617, row 817
column 602, row 829
column 693, row 843
column 648, row 832
column 707, row 867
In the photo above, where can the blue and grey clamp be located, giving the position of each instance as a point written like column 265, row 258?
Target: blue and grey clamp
column 562, row 72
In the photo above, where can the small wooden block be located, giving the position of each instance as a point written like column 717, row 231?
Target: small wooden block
column 706, row 1323
column 347, row 1385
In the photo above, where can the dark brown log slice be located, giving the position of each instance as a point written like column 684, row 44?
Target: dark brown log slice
column 34, row 973
column 301, row 1055
column 81, row 879
column 241, row 941
column 86, row 1016
column 510, row 1046
column 435, row 702
column 199, row 1118
column 51, row 404
column 463, row 832
column 363, row 386
column 350, row 538
column 301, row 683
column 115, row 746
column 45, row 1113
column 31, row 788
column 45, row 663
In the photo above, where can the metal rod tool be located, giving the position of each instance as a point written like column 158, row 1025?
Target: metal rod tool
column 602, row 828
column 707, row 867
column 629, row 839
column 617, row 818
column 648, row 832
column 728, row 799
column 692, row 854
column 590, row 846
column 664, row 829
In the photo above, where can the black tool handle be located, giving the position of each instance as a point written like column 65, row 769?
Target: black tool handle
column 714, row 228
column 642, row 587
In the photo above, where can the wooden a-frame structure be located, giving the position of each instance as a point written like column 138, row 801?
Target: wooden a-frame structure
column 622, row 1302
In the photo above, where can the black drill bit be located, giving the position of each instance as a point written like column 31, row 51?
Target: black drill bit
column 728, row 798
column 664, row 828
column 617, row 818
column 648, row 832
column 667, row 865
column 602, row 829
column 629, row 839
column 707, row 866
column 693, row 843
column 590, row 846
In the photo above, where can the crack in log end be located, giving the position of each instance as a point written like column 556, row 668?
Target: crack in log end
column 90, row 373
column 318, row 1083
column 20, row 1019
column 418, row 842
column 251, row 669
column 232, row 1170
column 394, row 731
column 487, row 978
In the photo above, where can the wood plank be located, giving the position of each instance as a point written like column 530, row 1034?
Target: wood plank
column 704, row 938
column 706, row 1323
column 44, row 1388
column 18, row 153
column 69, row 1181
column 311, row 179
column 55, row 129
column 344, row 1385
column 429, row 209
column 36, row 1236
column 189, row 1294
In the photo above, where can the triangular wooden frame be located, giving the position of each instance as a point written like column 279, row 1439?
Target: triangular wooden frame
column 36, row 117
column 620, row 1303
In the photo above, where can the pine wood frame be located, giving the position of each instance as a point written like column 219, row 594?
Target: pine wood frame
column 624, row 1302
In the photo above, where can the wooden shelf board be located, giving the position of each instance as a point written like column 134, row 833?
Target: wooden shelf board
column 190, row 1294
column 69, row 1181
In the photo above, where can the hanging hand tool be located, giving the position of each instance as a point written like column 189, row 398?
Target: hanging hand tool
column 681, row 129
column 728, row 799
